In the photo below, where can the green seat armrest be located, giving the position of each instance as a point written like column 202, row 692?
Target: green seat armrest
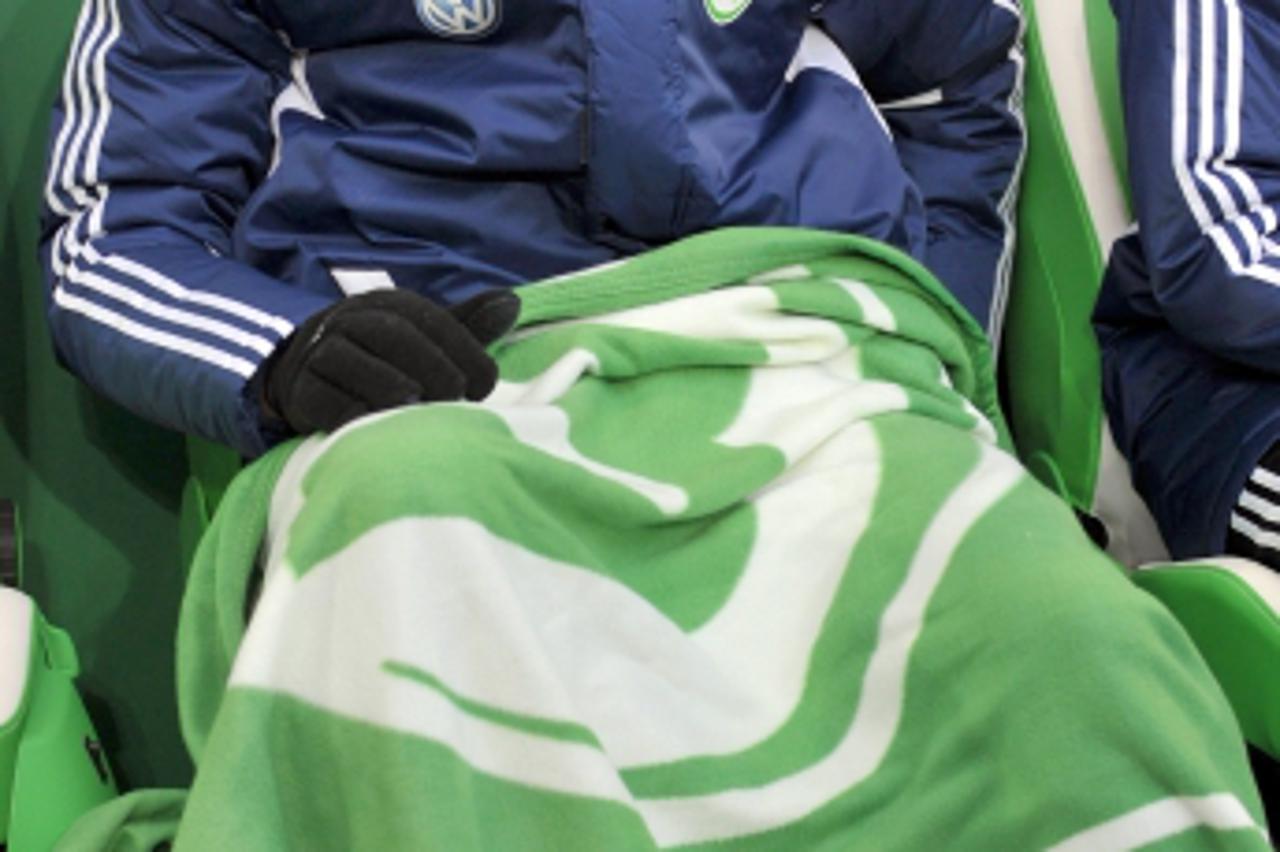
column 1231, row 609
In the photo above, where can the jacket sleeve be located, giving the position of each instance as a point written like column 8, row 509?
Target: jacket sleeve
column 948, row 78
column 161, row 132
column 1200, row 83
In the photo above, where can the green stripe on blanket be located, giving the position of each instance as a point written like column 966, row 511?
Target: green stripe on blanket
column 734, row 557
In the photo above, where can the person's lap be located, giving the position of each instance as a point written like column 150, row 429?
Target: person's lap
column 678, row 589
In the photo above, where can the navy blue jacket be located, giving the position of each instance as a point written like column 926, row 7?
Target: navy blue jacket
column 1189, row 317
column 221, row 169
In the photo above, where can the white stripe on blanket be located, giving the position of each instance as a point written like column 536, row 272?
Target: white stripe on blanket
column 1160, row 821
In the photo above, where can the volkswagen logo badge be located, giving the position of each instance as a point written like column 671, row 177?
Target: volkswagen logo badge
column 463, row 19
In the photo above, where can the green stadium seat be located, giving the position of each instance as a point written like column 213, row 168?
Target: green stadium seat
column 1074, row 205
column 99, row 490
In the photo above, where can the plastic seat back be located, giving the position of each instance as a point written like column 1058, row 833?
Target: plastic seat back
column 1073, row 207
column 98, row 488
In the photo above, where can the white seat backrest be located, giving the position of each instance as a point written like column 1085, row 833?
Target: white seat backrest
column 16, row 616
column 1064, row 35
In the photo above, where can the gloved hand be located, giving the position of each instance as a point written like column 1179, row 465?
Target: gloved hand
column 384, row 349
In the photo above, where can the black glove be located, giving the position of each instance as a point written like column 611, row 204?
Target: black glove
column 384, row 349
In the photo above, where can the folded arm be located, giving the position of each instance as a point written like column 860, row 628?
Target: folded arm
column 161, row 133
column 948, row 78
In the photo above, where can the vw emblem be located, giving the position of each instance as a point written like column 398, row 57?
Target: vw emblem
column 459, row 18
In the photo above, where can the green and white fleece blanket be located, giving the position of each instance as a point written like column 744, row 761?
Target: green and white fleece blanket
column 735, row 557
